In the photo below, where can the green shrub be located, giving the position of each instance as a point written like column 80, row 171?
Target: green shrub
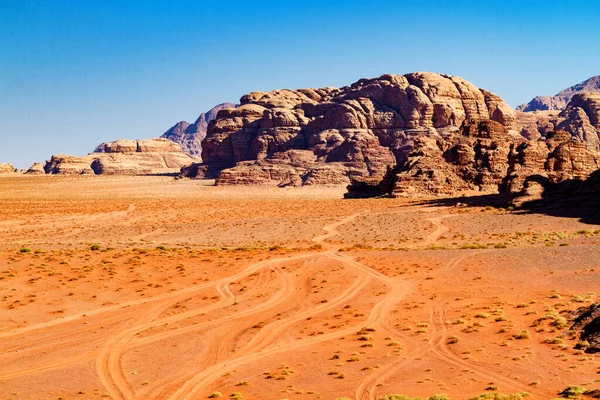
column 572, row 392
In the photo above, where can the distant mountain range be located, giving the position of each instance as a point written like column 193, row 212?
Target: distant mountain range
column 560, row 101
column 190, row 136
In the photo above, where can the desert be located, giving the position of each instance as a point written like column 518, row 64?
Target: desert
column 127, row 291
column 299, row 200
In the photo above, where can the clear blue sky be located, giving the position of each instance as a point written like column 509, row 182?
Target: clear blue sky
column 74, row 73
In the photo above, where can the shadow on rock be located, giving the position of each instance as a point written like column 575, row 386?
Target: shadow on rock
column 572, row 198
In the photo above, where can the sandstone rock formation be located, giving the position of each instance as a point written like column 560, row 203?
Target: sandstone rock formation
column 124, row 157
column 586, row 321
column 558, row 158
column 474, row 159
column 331, row 135
column 580, row 118
column 484, row 157
column 7, row 168
column 561, row 99
column 36, row 169
column 190, row 136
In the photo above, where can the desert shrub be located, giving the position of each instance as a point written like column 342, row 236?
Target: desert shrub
column 403, row 397
column 95, row 247
column 452, row 340
column 215, row 395
column 572, row 392
column 523, row 334
column 582, row 345
column 498, row 396
column 25, row 250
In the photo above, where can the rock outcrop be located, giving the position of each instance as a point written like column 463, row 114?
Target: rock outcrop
column 124, row 157
column 190, row 136
column 561, row 99
column 586, row 321
column 474, row 159
column 7, row 168
column 36, row 169
column 580, row 118
column 558, row 159
column 484, row 157
column 331, row 135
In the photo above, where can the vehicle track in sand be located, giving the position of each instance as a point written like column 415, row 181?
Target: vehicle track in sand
column 220, row 357
column 398, row 289
column 437, row 344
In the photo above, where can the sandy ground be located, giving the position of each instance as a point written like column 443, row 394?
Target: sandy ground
column 153, row 288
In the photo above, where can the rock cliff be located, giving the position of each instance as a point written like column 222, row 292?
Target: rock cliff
column 124, row 157
column 580, row 118
column 190, row 136
column 586, row 321
column 333, row 135
column 484, row 157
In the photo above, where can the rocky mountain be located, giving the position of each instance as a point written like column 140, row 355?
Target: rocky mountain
column 190, row 136
column 123, row 157
column 332, row 135
column 6, row 168
column 562, row 98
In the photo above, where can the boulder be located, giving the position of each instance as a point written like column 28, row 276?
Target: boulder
column 586, row 321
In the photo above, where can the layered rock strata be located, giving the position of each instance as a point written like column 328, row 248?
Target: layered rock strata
column 581, row 118
column 331, row 135
column 484, row 157
column 124, row 157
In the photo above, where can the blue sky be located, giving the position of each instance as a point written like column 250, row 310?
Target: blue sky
column 74, row 73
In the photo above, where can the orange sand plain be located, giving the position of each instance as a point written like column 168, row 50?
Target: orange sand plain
column 153, row 288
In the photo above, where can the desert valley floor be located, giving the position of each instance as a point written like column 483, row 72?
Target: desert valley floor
column 155, row 288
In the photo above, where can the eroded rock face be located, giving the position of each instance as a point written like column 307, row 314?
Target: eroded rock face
column 560, row 100
column 36, row 169
column 474, row 159
column 7, row 168
column 124, row 157
column 190, row 136
column 485, row 157
column 586, row 321
column 581, row 118
column 558, row 159
column 352, row 132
